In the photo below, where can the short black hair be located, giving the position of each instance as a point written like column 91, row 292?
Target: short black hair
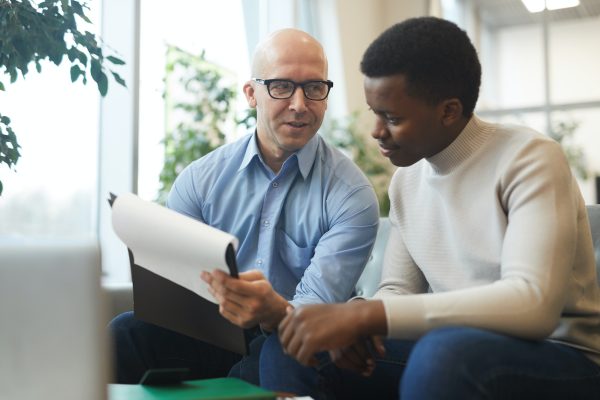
column 434, row 55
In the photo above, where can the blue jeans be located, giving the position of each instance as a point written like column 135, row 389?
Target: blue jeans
column 447, row 363
column 139, row 346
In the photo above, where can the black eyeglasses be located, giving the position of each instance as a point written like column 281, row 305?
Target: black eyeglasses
column 285, row 88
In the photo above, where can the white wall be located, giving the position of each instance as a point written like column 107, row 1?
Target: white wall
column 359, row 23
column 520, row 79
column 574, row 69
column 512, row 62
column 575, row 60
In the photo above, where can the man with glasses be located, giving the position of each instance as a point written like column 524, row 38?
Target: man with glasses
column 305, row 215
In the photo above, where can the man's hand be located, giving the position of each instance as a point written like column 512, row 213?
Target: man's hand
column 308, row 330
column 359, row 357
column 247, row 301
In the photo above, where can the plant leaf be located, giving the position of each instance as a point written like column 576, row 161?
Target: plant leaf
column 75, row 72
column 118, row 78
column 13, row 75
column 82, row 58
column 71, row 54
column 77, row 8
column 102, row 84
column 95, row 69
column 115, row 60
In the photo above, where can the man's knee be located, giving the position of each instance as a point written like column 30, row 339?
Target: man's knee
column 128, row 366
column 122, row 322
column 448, row 358
column 450, row 346
column 272, row 354
column 276, row 366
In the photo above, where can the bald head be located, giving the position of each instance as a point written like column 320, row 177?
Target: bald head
column 287, row 46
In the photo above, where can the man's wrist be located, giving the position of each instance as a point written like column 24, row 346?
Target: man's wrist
column 371, row 318
column 279, row 312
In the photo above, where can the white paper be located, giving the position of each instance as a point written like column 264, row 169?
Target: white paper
column 170, row 244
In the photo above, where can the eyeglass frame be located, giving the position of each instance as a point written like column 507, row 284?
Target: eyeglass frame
column 267, row 83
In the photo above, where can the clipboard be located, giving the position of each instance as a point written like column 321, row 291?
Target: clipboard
column 167, row 252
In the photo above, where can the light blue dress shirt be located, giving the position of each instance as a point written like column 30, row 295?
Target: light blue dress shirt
column 309, row 229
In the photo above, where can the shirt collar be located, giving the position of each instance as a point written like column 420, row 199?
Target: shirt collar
column 306, row 155
column 251, row 152
column 473, row 136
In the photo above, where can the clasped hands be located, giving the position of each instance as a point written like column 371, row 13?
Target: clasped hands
column 341, row 329
column 348, row 331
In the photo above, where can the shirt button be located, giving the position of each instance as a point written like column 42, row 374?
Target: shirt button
column 275, row 184
column 266, row 222
column 259, row 261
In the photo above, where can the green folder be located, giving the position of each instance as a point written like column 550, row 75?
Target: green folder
column 205, row 389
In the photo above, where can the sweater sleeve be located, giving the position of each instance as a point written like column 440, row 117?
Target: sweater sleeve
column 400, row 275
column 538, row 250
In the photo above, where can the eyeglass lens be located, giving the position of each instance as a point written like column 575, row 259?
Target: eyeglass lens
column 285, row 89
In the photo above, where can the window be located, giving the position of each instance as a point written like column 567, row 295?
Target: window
column 540, row 69
column 52, row 194
column 190, row 26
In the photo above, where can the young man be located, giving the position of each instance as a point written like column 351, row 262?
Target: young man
column 305, row 216
column 489, row 284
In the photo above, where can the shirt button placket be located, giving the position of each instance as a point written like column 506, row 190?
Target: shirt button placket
column 271, row 205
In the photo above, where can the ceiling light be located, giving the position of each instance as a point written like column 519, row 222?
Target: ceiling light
column 558, row 4
column 534, row 6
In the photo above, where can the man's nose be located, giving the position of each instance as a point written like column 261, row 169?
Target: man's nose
column 298, row 101
column 379, row 130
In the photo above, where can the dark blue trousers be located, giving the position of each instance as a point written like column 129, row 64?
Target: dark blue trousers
column 139, row 346
column 448, row 363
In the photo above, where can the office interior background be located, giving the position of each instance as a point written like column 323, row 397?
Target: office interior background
column 539, row 69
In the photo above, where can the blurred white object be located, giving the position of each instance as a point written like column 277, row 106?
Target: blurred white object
column 52, row 334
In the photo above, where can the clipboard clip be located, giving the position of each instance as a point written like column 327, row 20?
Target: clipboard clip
column 111, row 199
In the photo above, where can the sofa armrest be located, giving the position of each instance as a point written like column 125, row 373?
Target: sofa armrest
column 120, row 298
column 369, row 280
column 593, row 211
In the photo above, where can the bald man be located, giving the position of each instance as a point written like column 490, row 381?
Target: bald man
column 305, row 215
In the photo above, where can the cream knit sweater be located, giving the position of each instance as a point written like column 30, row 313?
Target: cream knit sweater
column 496, row 228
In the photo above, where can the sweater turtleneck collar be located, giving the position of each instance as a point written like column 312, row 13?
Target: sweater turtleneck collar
column 473, row 136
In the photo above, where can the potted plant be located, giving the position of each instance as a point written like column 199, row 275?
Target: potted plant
column 344, row 134
column 33, row 32
column 199, row 99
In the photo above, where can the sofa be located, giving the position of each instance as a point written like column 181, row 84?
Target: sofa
column 120, row 296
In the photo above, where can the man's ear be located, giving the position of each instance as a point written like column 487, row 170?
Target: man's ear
column 451, row 111
column 249, row 93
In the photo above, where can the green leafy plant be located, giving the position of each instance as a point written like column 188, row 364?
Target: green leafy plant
column 564, row 132
column 199, row 99
column 344, row 134
column 31, row 32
